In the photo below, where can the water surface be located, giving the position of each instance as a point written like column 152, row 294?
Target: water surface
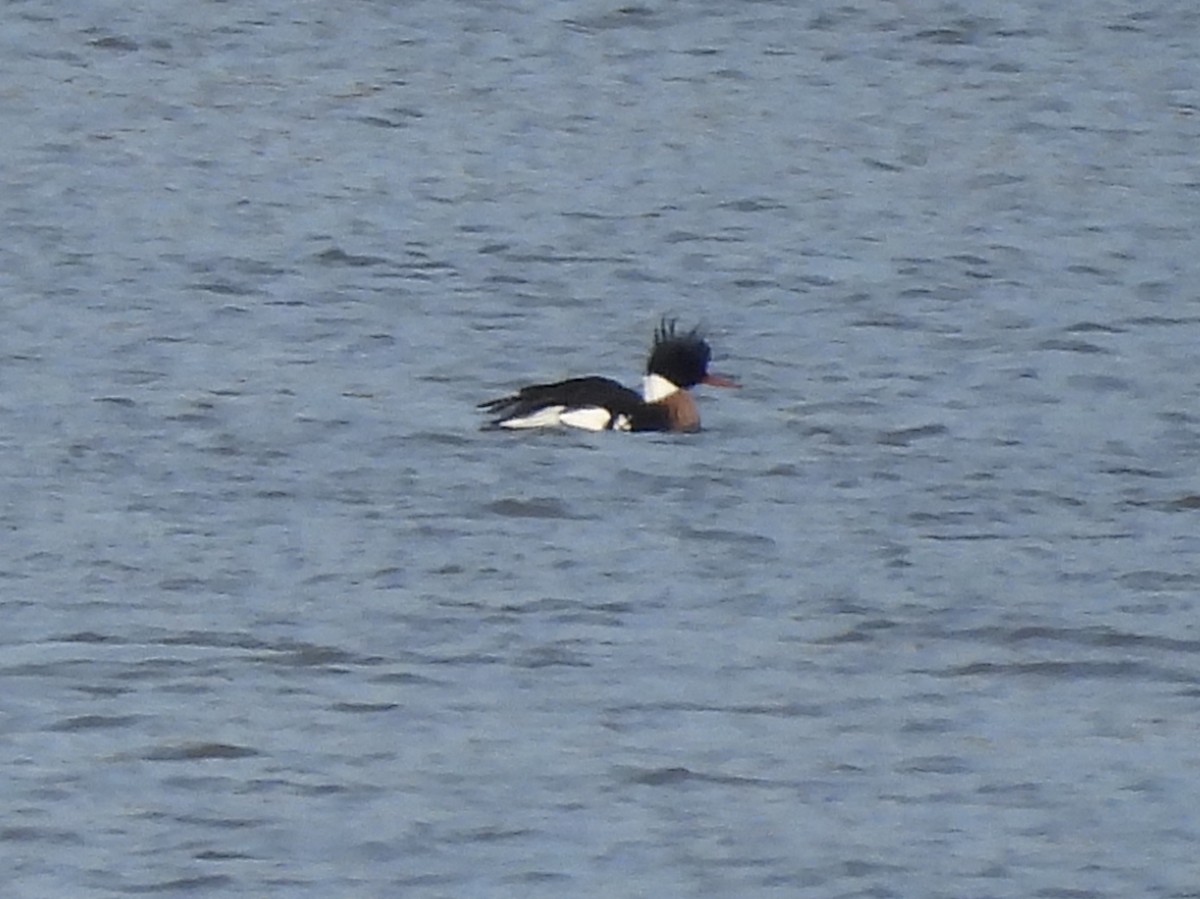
column 913, row 616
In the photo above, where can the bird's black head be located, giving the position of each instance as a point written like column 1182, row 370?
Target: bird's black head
column 680, row 358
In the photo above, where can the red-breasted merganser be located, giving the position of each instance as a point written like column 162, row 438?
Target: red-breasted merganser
column 677, row 363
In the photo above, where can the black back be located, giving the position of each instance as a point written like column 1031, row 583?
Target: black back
column 574, row 393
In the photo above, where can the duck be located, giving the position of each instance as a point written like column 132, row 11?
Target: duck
column 678, row 361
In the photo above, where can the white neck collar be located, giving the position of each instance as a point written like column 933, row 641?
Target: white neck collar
column 656, row 387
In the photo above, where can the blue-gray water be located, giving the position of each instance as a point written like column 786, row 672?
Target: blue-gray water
column 915, row 615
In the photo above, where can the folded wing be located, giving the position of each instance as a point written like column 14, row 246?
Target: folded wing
column 595, row 404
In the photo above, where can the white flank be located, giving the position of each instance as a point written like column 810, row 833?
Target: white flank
column 623, row 423
column 589, row 418
column 542, row 418
column 656, row 387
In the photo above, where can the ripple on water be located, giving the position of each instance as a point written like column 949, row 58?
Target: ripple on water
column 195, row 752
column 538, row 507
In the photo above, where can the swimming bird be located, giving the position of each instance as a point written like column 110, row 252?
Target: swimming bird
column 677, row 363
